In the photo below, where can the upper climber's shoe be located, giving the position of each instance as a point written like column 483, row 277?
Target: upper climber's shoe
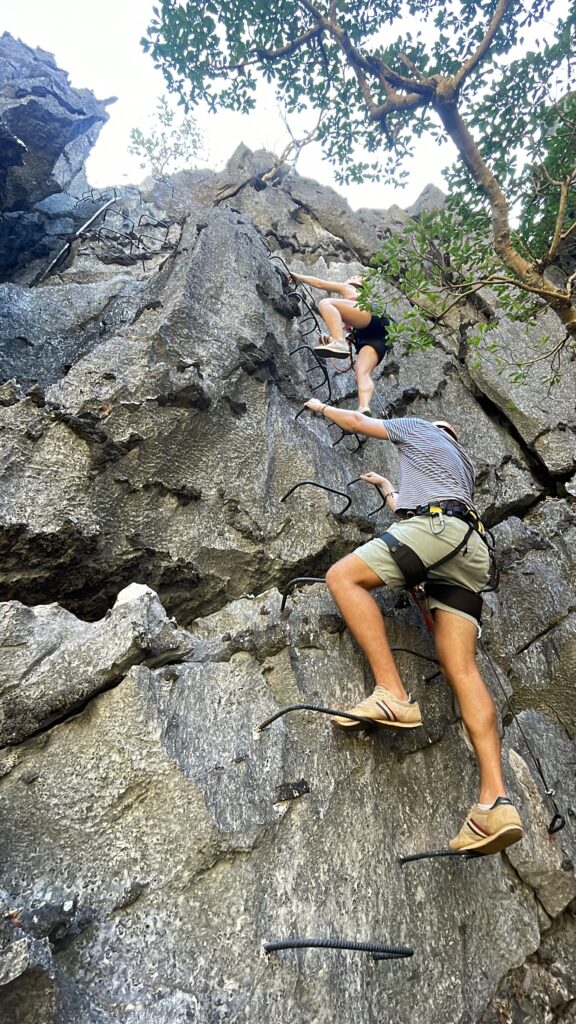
column 334, row 348
column 489, row 831
column 383, row 708
column 365, row 411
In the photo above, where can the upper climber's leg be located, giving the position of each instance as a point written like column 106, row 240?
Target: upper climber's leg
column 336, row 312
column 366, row 361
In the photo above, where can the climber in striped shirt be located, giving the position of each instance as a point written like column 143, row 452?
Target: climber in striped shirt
column 437, row 540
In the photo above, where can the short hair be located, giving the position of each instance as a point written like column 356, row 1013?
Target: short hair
column 447, row 428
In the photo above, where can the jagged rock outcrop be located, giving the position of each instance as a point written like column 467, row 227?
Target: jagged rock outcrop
column 153, row 838
column 52, row 665
column 47, row 131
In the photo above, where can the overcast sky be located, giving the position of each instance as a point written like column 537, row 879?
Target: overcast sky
column 99, row 46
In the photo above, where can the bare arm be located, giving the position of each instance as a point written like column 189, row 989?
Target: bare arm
column 385, row 488
column 345, row 290
column 349, row 420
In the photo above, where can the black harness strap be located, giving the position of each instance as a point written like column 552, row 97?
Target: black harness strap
column 456, row 597
column 410, row 564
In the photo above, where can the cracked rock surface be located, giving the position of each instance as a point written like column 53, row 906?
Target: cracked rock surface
column 46, row 132
column 153, row 837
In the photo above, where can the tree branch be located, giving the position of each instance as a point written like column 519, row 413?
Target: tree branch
column 561, row 213
column 482, row 49
column 488, row 184
column 289, row 48
column 569, row 232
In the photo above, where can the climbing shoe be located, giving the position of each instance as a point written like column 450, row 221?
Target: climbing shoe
column 365, row 411
column 383, row 708
column 489, row 831
column 334, row 348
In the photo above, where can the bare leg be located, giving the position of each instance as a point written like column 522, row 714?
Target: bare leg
column 455, row 639
column 336, row 312
column 349, row 581
column 366, row 361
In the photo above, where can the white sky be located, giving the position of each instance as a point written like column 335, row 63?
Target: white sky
column 99, row 46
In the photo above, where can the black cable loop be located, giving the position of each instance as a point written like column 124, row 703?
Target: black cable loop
column 379, row 507
column 325, row 378
column 304, row 334
column 319, row 366
column 379, row 950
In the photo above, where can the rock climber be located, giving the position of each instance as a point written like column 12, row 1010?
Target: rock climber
column 437, row 529
column 368, row 337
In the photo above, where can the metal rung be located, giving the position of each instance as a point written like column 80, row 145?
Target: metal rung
column 378, row 950
column 316, row 707
column 463, row 854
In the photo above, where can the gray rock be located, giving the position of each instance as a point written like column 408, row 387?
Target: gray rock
column 543, row 989
column 536, row 591
column 543, row 416
column 44, row 331
column 235, row 857
column 52, row 663
column 153, row 837
column 55, row 127
column 431, row 198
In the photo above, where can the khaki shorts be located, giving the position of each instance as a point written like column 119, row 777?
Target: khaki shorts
column 470, row 568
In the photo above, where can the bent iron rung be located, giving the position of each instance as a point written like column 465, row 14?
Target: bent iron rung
column 465, row 854
column 296, row 582
column 315, row 707
column 379, row 950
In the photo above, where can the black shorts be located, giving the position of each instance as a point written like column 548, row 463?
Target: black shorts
column 374, row 335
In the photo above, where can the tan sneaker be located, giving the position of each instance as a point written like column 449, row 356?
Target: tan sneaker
column 383, row 708
column 334, row 348
column 489, row 831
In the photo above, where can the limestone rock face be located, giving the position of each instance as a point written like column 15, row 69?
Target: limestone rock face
column 208, row 837
column 47, row 131
column 544, row 417
column 154, row 838
column 35, row 689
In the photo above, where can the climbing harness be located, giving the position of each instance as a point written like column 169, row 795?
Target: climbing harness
column 415, row 572
column 378, row 950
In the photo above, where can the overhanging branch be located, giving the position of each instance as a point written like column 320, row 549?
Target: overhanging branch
column 484, row 46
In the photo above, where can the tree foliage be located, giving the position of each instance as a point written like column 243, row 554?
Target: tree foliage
column 171, row 143
column 383, row 73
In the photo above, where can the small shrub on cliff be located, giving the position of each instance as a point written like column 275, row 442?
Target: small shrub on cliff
column 171, row 144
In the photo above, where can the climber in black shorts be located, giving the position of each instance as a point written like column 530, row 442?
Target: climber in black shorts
column 374, row 335
column 368, row 332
